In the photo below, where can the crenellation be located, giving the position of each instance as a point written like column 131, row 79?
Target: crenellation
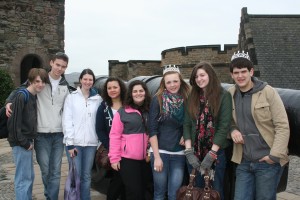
column 186, row 57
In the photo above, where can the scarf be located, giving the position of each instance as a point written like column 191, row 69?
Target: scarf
column 205, row 130
column 172, row 106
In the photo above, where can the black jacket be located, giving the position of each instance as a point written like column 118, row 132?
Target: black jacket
column 103, row 123
column 22, row 125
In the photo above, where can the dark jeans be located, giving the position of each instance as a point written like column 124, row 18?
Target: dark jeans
column 256, row 180
column 49, row 150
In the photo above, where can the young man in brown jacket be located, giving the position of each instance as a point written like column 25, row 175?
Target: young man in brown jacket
column 260, row 134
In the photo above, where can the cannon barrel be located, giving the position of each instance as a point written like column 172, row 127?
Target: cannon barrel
column 291, row 101
column 290, row 98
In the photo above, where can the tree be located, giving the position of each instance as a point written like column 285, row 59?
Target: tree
column 6, row 86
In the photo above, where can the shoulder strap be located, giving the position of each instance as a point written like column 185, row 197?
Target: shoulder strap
column 192, row 179
column 25, row 92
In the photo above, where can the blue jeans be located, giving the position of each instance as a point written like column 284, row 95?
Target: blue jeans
column 218, row 182
column 256, row 180
column 170, row 178
column 24, row 175
column 84, row 163
column 49, row 149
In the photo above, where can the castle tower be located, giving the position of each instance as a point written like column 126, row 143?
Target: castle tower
column 31, row 32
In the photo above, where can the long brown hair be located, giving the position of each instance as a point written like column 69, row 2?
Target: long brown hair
column 184, row 88
column 212, row 91
column 104, row 93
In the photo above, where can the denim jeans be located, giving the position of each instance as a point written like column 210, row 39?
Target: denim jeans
column 218, row 182
column 24, row 175
column 49, row 149
column 83, row 164
column 256, row 180
column 170, row 178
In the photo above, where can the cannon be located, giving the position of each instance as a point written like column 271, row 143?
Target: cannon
column 291, row 101
column 290, row 98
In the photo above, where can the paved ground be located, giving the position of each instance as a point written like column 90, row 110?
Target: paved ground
column 7, row 170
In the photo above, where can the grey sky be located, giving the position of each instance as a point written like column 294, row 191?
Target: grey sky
column 97, row 30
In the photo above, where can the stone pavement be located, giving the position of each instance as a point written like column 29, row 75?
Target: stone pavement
column 7, row 170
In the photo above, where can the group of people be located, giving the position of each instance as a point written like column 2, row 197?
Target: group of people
column 184, row 126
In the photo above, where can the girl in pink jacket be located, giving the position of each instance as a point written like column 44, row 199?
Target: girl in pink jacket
column 128, row 140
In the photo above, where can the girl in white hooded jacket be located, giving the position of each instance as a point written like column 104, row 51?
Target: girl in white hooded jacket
column 80, row 136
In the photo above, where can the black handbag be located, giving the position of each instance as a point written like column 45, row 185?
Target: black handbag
column 190, row 192
column 3, row 123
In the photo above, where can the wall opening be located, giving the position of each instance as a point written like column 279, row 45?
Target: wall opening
column 28, row 62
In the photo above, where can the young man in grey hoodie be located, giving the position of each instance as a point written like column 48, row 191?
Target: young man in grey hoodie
column 260, row 133
column 49, row 145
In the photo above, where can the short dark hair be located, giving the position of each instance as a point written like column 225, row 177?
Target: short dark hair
column 87, row 71
column 60, row 55
column 129, row 100
column 105, row 95
column 241, row 63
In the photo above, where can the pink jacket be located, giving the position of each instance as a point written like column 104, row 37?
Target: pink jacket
column 128, row 136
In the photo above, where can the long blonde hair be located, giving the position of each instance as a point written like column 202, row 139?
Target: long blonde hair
column 184, row 88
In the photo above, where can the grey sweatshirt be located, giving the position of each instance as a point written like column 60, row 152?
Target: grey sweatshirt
column 255, row 146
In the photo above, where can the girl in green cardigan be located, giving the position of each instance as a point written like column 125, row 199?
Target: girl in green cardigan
column 206, row 124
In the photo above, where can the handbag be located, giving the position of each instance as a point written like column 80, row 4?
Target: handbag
column 102, row 159
column 72, row 186
column 3, row 123
column 190, row 192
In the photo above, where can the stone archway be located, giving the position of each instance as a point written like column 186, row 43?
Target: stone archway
column 24, row 60
column 28, row 62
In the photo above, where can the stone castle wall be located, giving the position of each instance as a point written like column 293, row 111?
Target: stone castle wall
column 133, row 68
column 189, row 56
column 186, row 57
column 194, row 54
column 30, row 28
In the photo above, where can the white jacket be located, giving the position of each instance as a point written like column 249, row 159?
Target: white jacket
column 79, row 119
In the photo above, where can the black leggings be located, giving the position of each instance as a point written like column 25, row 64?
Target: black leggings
column 116, row 187
column 133, row 173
